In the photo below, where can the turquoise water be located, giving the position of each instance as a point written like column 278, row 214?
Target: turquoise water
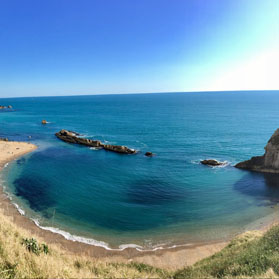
column 161, row 201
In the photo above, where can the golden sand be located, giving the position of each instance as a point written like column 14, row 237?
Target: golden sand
column 10, row 150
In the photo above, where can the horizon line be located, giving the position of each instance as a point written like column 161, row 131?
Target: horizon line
column 142, row 93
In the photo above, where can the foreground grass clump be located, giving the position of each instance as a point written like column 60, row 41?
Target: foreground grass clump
column 249, row 255
column 22, row 256
column 32, row 245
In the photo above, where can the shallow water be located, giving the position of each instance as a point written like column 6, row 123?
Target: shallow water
column 120, row 199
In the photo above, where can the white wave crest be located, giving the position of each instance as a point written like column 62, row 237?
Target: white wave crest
column 94, row 148
column 21, row 211
column 98, row 243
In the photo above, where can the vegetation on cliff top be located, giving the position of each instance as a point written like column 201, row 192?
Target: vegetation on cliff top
column 21, row 256
column 250, row 255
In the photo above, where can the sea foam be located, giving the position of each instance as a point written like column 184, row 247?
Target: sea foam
column 93, row 242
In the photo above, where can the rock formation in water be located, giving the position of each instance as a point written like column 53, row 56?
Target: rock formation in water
column 269, row 162
column 4, row 107
column 44, row 122
column 212, row 162
column 72, row 137
column 149, row 154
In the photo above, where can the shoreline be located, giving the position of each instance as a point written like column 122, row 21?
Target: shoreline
column 170, row 258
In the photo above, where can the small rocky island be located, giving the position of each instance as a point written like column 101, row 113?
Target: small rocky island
column 269, row 162
column 149, row 154
column 4, row 107
column 212, row 162
column 73, row 137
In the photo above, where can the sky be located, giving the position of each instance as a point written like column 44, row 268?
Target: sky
column 72, row 47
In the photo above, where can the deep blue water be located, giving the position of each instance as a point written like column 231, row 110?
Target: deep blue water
column 121, row 199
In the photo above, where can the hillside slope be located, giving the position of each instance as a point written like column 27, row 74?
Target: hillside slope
column 24, row 257
column 249, row 255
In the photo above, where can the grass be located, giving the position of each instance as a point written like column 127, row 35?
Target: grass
column 251, row 255
column 22, row 256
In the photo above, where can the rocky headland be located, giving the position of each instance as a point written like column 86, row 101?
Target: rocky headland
column 269, row 162
column 73, row 137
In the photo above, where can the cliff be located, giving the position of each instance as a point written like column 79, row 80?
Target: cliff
column 269, row 162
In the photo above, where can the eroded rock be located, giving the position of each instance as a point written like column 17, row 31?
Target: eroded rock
column 71, row 137
column 269, row 162
column 212, row 162
column 149, row 154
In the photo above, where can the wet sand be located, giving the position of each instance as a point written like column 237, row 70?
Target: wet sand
column 171, row 258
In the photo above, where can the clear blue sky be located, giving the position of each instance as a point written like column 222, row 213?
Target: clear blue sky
column 64, row 47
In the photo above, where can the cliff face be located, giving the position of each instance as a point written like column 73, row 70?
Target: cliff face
column 269, row 162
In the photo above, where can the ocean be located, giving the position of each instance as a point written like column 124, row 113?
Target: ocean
column 115, row 200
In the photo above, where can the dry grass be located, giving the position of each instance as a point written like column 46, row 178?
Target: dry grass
column 251, row 255
column 17, row 262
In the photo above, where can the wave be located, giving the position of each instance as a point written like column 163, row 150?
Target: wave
column 21, row 211
column 102, row 244
column 94, row 148
column 91, row 241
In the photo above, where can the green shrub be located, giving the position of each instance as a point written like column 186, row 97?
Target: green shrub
column 44, row 248
column 32, row 245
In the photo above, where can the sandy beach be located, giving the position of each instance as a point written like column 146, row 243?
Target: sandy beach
column 171, row 259
column 10, row 150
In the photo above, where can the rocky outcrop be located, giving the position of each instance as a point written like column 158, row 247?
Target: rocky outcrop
column 212, row 162
column 269, row 162
column 72, row 137
column 4, row 107
column 44, row 122
column 149, row 154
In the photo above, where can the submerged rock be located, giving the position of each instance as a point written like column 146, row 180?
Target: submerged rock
column 149, row 154
column 212, row 162
column 269, row 162
column 71, row 137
